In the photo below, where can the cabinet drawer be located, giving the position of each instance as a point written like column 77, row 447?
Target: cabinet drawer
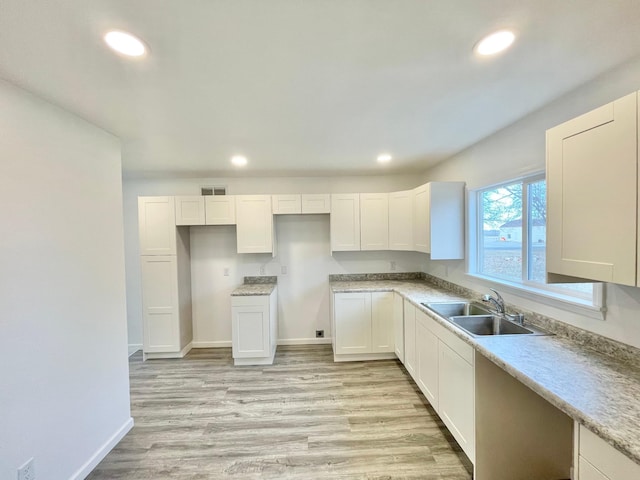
column 612, row 463
column 589, row 472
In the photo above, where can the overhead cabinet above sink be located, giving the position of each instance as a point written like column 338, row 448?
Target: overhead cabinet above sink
column 592, row 190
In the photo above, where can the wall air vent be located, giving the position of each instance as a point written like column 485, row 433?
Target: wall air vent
column 213, row 190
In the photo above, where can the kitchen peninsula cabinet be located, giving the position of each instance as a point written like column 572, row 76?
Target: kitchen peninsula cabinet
column 254, row 328
column 592, row 196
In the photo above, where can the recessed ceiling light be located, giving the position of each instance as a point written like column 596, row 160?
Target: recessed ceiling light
column 384, row 158
column 239, row 160
column 125, row 43
column 495, row 43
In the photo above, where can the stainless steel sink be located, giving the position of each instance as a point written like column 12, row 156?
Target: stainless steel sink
column 456, row 309
column 490, row 325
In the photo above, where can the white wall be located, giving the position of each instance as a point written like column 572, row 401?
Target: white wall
column 64, row 385
column 302, row 246
column 519, row 150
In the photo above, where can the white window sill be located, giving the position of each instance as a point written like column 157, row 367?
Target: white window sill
column 552, row 299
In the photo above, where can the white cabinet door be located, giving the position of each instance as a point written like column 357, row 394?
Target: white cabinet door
column 220, row 209
column 382, row 334
column 250, row 327
column 592, row 175
column 254, row 224
column 421, row 220
column 374, row 221
column 598, row 457
column 157, row 225
column 589, row 472
column 161, row 330
column 286, row 204
column 426, row 359
column 398, row 326
column 189, row 210
column 352, row 322
column 345, row 222
column 316, row 203
column 446, row 220
column 401, row 220
column 456, row 391
column 410, row 338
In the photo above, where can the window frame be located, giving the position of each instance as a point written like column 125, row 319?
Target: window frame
column 593, row 306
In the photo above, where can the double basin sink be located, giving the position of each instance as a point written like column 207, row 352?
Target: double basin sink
column 477, row 320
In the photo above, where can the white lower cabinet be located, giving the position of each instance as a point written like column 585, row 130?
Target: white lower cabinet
column 456, row 397
column 597, row 460
column 382, row 334
column 254, row 329
column 426, row 359
column 410, row 338
column 398, row 326
column 363, row 325
column 442, row 366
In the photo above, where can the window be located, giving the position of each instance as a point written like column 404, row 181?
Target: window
column 511, row 240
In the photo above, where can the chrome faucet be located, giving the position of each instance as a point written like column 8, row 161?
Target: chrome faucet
column 498, row 301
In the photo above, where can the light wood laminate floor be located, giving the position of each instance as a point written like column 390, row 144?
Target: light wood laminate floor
column 305, row 417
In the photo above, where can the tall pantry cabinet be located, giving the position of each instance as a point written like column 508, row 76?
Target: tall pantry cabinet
column 166, row 279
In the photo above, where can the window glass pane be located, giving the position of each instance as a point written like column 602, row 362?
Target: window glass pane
column 537, row 208
column 501, row 239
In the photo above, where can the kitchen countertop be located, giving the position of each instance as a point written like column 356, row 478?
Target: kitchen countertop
column 253, row 289
column 597, row 390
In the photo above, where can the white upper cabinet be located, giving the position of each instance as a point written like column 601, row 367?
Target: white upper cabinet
column 286, row 204
column 345, row 222
column 421, row 221
column 220, row 209
column 189, row 210
column 254, row 224
column 316, row 203
column 592, row 204
column 438, row 224
column 374, row 221
column 157, row 225
column 401, row 205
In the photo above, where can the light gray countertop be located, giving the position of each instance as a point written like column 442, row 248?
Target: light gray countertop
column 597, row 390
column 253, row 289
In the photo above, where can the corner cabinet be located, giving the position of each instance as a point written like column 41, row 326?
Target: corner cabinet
column 592, row 196
column 362, row 324
column 401, row 205
column 254, row 220
column 254, row 328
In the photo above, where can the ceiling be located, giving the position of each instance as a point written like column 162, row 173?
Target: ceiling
column 307, row 87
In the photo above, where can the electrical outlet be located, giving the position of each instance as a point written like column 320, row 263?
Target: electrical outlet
column 262, row 270
column 392, row 265
column 319, row 333
column 283, row 269
column 27, row 471
column 226, row 272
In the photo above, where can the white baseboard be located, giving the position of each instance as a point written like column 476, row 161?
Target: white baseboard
column 134, row 347
column 304, row 341
column 217, row 344
column 160, row 356
column 102, row 452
